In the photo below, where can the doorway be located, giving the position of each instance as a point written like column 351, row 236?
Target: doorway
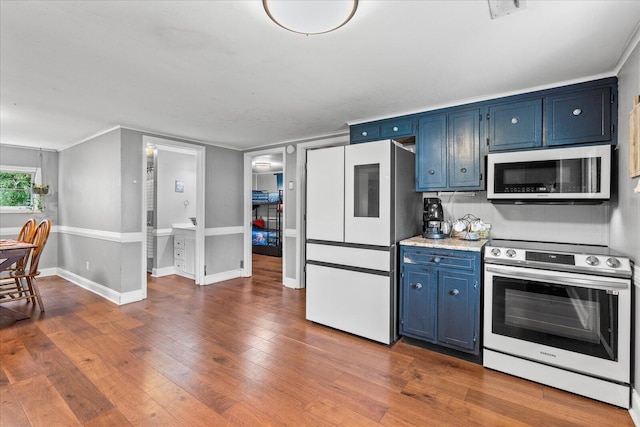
column 173, row 209
column 264, row 175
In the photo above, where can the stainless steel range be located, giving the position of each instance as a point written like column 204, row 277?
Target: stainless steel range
column 559, row 314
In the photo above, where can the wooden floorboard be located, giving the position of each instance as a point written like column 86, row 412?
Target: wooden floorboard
column 240, row 352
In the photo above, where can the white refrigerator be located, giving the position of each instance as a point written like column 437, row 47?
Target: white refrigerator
column 361, row 201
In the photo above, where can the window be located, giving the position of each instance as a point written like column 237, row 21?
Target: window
column 16, row 188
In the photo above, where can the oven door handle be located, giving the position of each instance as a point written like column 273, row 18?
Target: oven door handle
column 569, row 281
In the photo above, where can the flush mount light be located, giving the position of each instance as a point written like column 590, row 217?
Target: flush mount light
column 310, row 16
column 262, row 165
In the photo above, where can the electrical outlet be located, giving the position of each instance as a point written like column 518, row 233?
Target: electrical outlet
column 87, row 266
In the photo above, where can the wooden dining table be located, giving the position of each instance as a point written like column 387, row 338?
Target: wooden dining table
column 11, row 251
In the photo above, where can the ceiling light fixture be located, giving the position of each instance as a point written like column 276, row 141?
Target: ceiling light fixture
column 310, row 16
column 262, row 165
column 498, row 8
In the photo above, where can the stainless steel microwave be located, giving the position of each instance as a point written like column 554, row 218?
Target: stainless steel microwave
column 580, row 174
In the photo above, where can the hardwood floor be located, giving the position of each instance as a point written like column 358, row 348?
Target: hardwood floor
column 240, row 352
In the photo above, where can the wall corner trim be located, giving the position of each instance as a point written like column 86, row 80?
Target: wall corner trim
column 634, row 411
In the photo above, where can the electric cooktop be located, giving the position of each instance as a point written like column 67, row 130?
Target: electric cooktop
column 593, row 259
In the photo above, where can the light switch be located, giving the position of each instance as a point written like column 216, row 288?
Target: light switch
column 290, row 185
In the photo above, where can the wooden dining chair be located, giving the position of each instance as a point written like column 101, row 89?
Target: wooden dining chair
column 27, row 275
column 27, row 233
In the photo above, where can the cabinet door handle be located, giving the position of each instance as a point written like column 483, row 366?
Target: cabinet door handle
column 463, row 170
column 577, row 112
column 454, row 292
column 436, row 260
column 431, row 172
column 417, row 286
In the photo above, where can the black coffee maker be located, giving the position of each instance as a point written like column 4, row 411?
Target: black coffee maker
column 433, row 219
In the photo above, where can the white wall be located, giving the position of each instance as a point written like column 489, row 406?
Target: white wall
column 625, row 213
column 174, row 207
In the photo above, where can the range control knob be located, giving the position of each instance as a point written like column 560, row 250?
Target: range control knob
column 591, row 260
column 613, row 262
column 511, row 253
column 495, row 252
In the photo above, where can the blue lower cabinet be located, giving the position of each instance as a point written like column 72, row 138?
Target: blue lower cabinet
column 457, row 309
column 440, row 297
column 420, row 299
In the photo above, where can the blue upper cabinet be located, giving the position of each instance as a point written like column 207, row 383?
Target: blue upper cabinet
column 579, row 117
column 464, row 150
column 431, row 153
column 396, row 128
column 515, row 125
column 383, row 129
column 448, row 151
column 365, row 132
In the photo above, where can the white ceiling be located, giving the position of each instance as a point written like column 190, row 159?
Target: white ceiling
column 221, row 72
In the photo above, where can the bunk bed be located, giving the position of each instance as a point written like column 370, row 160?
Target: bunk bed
column 266, row 238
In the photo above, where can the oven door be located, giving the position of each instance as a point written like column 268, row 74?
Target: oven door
column 573, row 321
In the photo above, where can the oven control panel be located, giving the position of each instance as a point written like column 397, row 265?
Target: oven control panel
column 601, row 264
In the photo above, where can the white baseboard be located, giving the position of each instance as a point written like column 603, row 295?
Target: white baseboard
column 164, row 271
column 291, row 283
column 221, row 277
column 51, row 271
column 634, row 411
column 101, row 290
column 185, row 274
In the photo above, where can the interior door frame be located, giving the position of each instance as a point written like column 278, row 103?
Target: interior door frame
column 248, row 208
column 200, row 157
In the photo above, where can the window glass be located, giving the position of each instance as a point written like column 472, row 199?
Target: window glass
column 16, row 184
column 366, row 191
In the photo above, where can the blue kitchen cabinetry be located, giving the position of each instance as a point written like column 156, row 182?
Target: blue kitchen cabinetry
column 383, row 129
column 578, row 117
column 515, row 125
column 440, row 297
column 448, row 151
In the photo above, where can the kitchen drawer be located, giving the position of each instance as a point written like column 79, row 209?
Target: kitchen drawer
column 439, row 259
column 354, row 257
column 178, row 242
column 178, row 254
column 366, row 132
column 396, row 128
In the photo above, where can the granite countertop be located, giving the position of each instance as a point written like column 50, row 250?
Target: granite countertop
column 452, row 243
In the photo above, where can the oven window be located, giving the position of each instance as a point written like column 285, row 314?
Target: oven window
column 571, row 318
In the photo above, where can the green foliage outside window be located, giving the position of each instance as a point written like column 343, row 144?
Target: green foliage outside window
column 15, row 189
